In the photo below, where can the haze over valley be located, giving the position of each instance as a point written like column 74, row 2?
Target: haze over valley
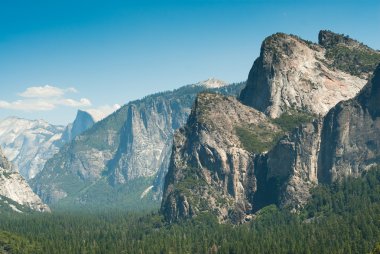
column 185, row 132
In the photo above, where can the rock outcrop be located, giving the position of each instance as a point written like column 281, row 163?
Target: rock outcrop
column 293, row 165
column 210, row 168
column 329, row 39
column 349, row 55
column 295, row 74
column 83, row 121
column 14, row 187
column 351, row 135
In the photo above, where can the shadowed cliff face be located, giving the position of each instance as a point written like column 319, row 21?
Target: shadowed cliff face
column 83, row 121
column 369, row 97
column 351, row 134
column 295, row 74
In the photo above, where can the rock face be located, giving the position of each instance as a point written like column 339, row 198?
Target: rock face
column 29, row 143
column 293, row 165
column 351, row 135
column 207, row 153
column 210, row 167
column 295, row 74
column 346, row 142
column 14, row 187
column 132, row 144
column 83, row 121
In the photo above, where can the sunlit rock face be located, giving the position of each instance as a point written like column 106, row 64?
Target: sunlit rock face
column 14, row 187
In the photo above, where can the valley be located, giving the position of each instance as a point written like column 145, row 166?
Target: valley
column 285, row 162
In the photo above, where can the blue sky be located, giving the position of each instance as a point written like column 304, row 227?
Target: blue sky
column 95, row 54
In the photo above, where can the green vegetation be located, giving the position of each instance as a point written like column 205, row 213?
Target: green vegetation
column 355, row 61
column 340, row 218
column 376, row 250
column 190, row 185
column 101, row 196
column 190, row 181
column 292, row 119
column 8, row 174
column 11, row 243
column 257, row 139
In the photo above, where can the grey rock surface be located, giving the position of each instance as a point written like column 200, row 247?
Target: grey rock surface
column 210, row 169
column 83, row 121
column 14, row 187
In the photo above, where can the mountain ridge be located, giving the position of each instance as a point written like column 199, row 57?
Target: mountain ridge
column 316, row 149
column 30, row 143
column 129, row 146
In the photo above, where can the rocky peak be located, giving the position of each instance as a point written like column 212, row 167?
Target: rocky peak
column 328, row 39
column 349, row 55
column 212, row 83
column 292, row 73
column 345, row 142
column 83, row 121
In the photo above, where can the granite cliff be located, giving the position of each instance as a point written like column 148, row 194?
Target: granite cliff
column 321, row 130
column 210, row 167
column 292, row 73
column 344, row 143
column 14, row 188
column 83, row 121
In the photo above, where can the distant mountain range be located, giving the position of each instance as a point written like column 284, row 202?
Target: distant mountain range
column 125, row 154
column 28, row 144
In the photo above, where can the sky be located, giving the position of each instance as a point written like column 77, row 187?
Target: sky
column 61, row 56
